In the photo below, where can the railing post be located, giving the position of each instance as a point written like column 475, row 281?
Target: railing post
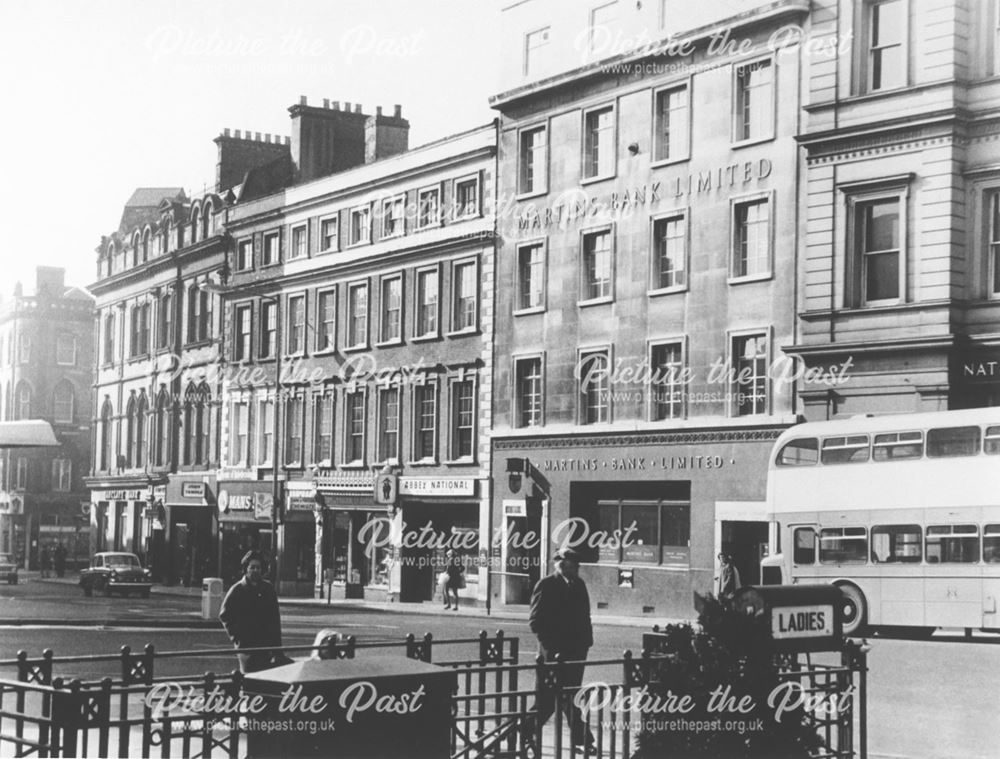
column 67, row 713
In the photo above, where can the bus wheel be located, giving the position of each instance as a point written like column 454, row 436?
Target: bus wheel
column 855, row 610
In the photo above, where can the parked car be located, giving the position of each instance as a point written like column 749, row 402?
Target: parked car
column 8, row 569
column 112, row 572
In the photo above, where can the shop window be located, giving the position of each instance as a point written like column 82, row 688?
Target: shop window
column 952, row 544
column 800, row 452
column 897, row 544
column 843, row 545
column 642, row 532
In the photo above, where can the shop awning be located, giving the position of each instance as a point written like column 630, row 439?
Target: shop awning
column 33, row 433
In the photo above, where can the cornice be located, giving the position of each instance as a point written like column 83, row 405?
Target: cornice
column 625, row 440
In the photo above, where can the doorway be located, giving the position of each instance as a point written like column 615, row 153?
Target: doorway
column 746, row 542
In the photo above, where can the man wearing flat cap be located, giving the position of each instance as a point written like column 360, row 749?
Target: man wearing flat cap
column 560, row 617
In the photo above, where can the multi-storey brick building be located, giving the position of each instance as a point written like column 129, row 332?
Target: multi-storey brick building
column 46, row 356
column 901, row 262
column 378, row 262
column 650, row 153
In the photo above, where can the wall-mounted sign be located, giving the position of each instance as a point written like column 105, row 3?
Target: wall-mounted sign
column 515, row 507
column 358, row 481
column 386, row 489
column 241, row 502
column 120, row 495
column 193, row 490
column 626, row 578
column 263, row 503
column 802, row 622
column 437, row 486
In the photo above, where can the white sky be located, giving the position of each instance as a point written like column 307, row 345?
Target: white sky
column 102, row 96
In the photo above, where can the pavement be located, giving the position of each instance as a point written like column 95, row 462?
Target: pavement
column 519, row 612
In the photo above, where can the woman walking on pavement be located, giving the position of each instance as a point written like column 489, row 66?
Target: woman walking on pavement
column 455, row 580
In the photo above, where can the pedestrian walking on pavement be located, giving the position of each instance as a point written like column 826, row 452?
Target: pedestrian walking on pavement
column 560, row 618
column 251, row 617
column 45, row 561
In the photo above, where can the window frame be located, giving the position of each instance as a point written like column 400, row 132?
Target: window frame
column 733, row 404
column 543, row 188
column 56, row 402
column 435, row 271
column 431, row 385
column 73, row 344
column 652, row 403
column 294, row 398
column 655, row 288
column 517, row 398
column 766, row 198
column 350, row 393
column 527, row 47
column 399, row 224
column 582, row 400
column 237, row 353
column 301, row 348
column 457, row 265
column 366, row 237
column 471, row 377
column 584, row 284
column 272, row 307
column 247, row 261
column 264, row 428
column 386, row 281
column 991, row 234
column 62, row 466
column 324, row 397
column 293, row 232
column 686, row 84
column 323, row 222
column 232, row 459
column 382, row 393
column 321, row 321
column 857, row 198
column 736, row 107
column 542, row 244
column 349, row 345
column 265, row 259
column 585, row 159
column 477, row 212
column 863, row 58
column 438, row 219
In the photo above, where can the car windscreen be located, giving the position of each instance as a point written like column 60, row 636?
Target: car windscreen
column 124, row 560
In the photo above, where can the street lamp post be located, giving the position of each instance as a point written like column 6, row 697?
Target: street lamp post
column 275, row 427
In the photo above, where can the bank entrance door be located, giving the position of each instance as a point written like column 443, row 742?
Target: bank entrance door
column 521, row 549
column 746, row 542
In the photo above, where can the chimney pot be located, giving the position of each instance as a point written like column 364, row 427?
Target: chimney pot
column 357, row 107
column 399, row 111
column 238, row 133
column 347, row 106
column 267, row 137
column 336, row 105
column 303, row 100
column 326, row 102
column 225, row 132
column 256, row 136
column 378, row 110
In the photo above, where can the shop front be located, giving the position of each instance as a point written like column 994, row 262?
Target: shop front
column 118, row 520
column 244, row 524
column 190, row 528
column 356, row 556
column 438, row 513
column 648, row 512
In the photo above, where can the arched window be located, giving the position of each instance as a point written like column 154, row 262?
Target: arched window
column 195, row 223
column 22, row 403
column 145, row 245
column 8, row 403
column 206, row 220
column 138, row 424
column 197, row 407
column 136, row 246
column 164, row 235
column 63, row 403
column 163, row 429
column 104, row 444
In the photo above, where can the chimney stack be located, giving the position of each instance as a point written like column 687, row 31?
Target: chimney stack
column 240, row 151
column 326, row 140
column 386, row 135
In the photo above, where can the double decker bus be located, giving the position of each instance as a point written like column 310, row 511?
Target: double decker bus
column 902, row 512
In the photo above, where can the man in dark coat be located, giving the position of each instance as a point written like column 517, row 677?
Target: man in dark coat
column 251, row 618
column 560, row 618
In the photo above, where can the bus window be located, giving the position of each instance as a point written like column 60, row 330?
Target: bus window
column 952, row 544
column 898, row 445
column 953, row 441
column 991, row 544
column 896, row 543
column 843, row 545
column 805, row 546
column 801, row 452
column 841, row 450
column 992, row 442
